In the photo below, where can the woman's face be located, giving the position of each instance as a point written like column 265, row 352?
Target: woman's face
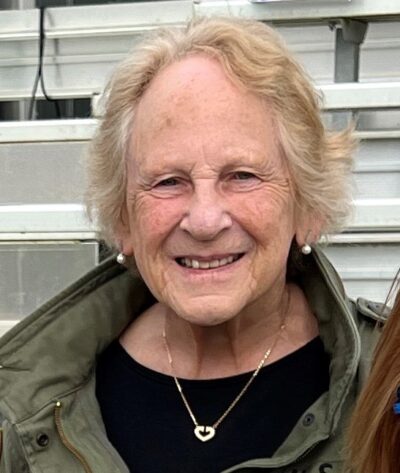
column 210, row 211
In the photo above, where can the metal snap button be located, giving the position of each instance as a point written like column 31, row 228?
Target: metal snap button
column 308, row 419
column 375, row 307
column 42, row 440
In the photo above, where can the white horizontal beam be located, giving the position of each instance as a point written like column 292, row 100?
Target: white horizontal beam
column 302, row 10
column 47, row 130
column 45, row 218
column 378, row 135
column 49, row 236
column 9, row 95
column 361, row 238
column 343, row 96
column 358, row 96
column 94, row 20
column 82, row 129
column 335, row 239
column 376, row 215
column 125, row 19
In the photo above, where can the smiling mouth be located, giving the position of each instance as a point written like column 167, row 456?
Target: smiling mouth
column 210, row 264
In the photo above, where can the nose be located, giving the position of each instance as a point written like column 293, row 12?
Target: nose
column 206, row 216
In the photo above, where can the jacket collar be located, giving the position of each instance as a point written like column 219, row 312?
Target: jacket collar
column 339, row 333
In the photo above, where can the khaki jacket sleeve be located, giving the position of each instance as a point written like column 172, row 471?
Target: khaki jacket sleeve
column 12, row 459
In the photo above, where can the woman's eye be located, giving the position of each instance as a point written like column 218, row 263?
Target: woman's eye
column 169, row 182
column 243, row 175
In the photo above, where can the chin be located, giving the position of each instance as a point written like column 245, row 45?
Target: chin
column 207, row 315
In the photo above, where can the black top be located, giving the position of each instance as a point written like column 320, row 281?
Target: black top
column 149, row 426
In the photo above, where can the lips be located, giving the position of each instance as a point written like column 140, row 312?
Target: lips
column 208, row 263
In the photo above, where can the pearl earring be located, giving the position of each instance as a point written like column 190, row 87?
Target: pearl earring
column 306, row 249
column 121, row 258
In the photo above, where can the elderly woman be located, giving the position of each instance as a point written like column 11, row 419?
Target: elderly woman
column 229, row 345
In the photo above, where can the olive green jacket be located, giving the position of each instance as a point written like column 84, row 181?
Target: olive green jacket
column 50, row 418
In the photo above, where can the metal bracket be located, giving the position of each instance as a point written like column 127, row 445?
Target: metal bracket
column 349, row 35
column 354, row 30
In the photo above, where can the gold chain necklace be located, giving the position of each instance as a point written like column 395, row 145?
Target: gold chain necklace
column 207, row 432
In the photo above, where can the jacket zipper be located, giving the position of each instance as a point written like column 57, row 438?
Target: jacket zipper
column 67, row 444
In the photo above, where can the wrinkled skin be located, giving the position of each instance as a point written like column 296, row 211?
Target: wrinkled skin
column 207, row 181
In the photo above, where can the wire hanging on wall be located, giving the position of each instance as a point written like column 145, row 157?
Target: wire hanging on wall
column 39, row 74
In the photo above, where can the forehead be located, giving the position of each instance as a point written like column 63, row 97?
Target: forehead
column 193, row 102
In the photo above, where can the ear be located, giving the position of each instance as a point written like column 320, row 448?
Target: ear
column 123, row 235
column 308, row 229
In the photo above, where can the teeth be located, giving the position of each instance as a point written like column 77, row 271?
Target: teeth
column 195, row 264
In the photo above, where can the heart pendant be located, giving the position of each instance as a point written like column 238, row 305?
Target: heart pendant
column 204, row 432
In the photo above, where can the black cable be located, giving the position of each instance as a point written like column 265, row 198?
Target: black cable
column 39, row 73
column 34, row 90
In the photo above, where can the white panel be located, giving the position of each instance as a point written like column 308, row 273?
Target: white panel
column 367, row 270
column 42, row 173
column 377, row 169
column 32, row 273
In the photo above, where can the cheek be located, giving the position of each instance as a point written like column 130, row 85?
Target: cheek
column 152, row 219
column 265, row 215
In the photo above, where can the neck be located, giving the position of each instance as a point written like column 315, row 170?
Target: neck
column 237, row 346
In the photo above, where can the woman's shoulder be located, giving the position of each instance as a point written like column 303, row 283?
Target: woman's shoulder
column 53, row 350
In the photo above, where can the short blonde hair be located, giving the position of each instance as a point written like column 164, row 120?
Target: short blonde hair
column 254, row 56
